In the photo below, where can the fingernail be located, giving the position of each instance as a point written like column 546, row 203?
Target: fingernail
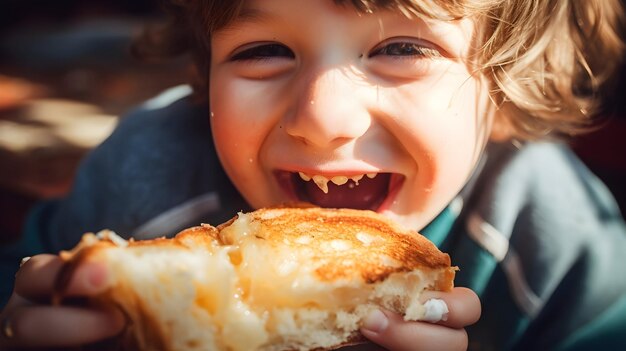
column 96, row 276
column 375, row 322
column 24, row 260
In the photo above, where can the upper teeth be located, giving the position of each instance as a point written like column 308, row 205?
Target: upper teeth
column 322, row 182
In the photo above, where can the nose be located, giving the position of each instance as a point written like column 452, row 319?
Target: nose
column 329, row 109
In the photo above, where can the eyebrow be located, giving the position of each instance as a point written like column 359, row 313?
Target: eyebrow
column 248, row 14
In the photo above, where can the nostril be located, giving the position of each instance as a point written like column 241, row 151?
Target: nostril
column 320, row 137
column 326, row 124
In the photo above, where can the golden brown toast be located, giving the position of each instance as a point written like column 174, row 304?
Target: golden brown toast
column 344, row 243
column 272, row 279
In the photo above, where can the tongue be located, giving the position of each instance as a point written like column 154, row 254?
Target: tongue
column 369, row 194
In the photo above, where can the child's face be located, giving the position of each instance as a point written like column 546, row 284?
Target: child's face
column 306, row 86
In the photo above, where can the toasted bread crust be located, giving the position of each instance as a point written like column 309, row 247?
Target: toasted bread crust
column 361, row 247
column 366, row 243
column 89, row 250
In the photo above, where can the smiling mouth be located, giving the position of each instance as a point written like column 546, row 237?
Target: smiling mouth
column 372, row 191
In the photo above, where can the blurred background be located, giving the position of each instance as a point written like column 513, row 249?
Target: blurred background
column 66, row 77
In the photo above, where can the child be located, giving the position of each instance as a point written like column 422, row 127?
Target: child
column 422, row 110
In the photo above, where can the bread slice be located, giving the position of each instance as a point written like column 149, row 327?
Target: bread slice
column 273, row 279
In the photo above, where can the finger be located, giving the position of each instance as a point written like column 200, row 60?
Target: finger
column 38, row 326
column 463, row 306
column 36, row 279
column 393, row 333
column 88, row 278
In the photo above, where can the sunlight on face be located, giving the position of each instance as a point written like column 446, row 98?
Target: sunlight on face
column 379, row 111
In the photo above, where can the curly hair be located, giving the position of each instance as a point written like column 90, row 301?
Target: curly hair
column 547, row 61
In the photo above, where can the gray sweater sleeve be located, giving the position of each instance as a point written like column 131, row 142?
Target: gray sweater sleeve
column 156, row 174
column 157, row 158
column 541, row 241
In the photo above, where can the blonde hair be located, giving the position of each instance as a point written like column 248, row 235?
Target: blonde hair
column 547, row 61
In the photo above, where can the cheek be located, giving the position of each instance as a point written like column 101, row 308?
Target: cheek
column 237, row 122
column 445, row 131
column 234, row 141
column 462, row 128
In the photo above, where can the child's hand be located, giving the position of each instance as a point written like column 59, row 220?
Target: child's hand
column 29, row 319
column 392, row 332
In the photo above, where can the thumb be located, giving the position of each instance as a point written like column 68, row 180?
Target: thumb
column 85, row 279
column 394, row 333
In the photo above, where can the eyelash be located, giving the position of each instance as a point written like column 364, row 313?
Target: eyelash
column 263, row 52
column 406, row 50
column 397, row 49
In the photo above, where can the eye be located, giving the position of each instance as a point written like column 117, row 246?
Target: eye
column 405, row 58
column 405, row 49
column 262, row 60
column 263, row 52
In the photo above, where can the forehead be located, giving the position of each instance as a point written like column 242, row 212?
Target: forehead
column 259, row 11
column 446, row 10
column 455, row 36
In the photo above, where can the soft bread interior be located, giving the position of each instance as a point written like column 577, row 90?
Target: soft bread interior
column 244, row 288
